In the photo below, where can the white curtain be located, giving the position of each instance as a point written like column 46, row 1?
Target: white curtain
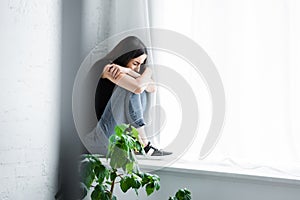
column 256, row 49
column 255, row 46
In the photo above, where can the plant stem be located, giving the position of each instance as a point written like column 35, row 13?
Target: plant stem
column 112, row 188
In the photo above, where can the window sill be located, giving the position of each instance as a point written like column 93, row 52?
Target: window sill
column 217, row 170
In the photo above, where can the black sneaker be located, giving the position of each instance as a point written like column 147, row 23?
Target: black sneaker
column 152, row 151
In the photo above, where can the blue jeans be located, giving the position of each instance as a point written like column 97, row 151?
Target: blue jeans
column 123, row 107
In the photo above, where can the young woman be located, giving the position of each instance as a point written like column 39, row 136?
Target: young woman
column 121, row 94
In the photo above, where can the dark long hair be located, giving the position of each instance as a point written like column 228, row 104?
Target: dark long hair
column 129, row 48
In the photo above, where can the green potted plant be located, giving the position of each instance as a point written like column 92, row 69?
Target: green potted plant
column 182, row 194
column 122, row 169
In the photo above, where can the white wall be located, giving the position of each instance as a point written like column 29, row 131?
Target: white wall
column 29, row 85
column 218, row 186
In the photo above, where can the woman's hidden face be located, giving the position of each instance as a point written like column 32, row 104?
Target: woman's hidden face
column 135, row 63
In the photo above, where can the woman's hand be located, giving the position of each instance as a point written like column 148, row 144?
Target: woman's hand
column 151, row 87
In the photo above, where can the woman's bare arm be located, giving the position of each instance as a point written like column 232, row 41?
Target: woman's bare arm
column 128, row 81
column 151, row 87
column 132, row 73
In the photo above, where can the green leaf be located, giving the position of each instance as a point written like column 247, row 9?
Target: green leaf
column 93, row 159
column 138, row 147
column 101, row 173
column 108, row 182
column 129, row 167
column 145, row 179
column 112, row 139
column 119, row 158
column 96, row 194
column 87, row 174
column 183, row 194
column 119, row 129
column 125, row 184
column 156, row 181
column 130, row 142
column 156, row 185
column 100, row 193
column 128, row 129
column 113, row 175
column 105, row 195
column 154, row 177
column 125, row 143
column 114, row 198
column 134, row 132
column 136, row 181
column 149, row 188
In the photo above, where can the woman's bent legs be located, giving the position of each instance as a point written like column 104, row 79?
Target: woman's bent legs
column 123, row 107
column 137, row 107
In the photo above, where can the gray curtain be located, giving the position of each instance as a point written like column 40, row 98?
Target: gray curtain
column 104, row 24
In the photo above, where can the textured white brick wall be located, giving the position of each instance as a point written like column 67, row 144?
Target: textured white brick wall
column 29, row 108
